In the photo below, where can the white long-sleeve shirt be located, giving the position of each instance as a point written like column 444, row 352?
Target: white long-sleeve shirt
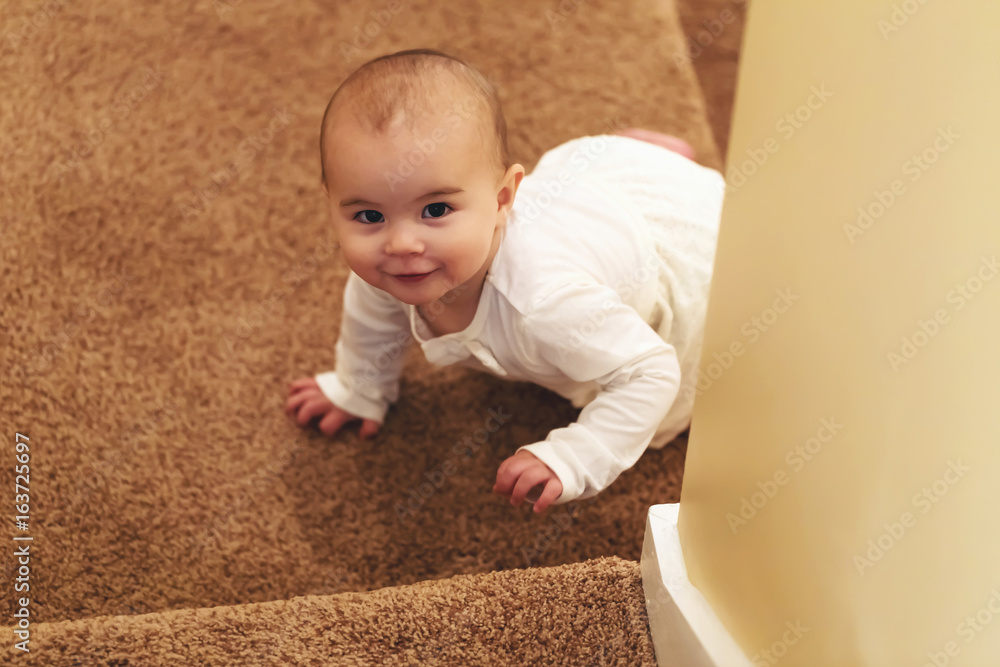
column 584, row 298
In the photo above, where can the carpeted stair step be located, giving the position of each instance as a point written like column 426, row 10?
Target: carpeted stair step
column 151, row 345
column 169, row 480
column 587, row 614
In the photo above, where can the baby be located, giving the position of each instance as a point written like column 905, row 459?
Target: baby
column 592, row 283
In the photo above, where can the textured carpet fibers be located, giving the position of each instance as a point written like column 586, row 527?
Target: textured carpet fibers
column 581, row 614
column 167, row 268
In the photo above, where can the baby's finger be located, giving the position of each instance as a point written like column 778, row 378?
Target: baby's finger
column 506, row 478
column 527, row 480
column 312, row 408
column 502, row 486
column 369, row 428
column 333, row 421
column 549, row 495
column 303, row 383
column 295, row 400
column 514, row 465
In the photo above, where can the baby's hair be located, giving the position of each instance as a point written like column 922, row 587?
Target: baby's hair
column 411, row 82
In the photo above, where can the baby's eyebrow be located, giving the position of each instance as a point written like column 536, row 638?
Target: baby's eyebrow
column 442, row 191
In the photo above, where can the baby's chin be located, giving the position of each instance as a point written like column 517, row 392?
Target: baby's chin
column 414, row 297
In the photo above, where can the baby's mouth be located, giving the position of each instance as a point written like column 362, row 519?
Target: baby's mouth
column 412, row 277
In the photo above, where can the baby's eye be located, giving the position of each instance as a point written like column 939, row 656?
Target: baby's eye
column 367, row 216
column 437, row 209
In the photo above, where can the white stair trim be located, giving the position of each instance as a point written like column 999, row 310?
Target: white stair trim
column 684, row 627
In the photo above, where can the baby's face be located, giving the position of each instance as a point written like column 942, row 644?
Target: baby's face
column 416, row 212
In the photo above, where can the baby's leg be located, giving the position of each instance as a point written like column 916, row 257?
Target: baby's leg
column 667, row 141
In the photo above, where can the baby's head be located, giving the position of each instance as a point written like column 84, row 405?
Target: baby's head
column 416, row 166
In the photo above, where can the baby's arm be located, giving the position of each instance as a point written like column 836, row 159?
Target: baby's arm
column 374, row 334
column 638, row 373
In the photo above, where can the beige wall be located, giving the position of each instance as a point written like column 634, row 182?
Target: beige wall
column 841, row 500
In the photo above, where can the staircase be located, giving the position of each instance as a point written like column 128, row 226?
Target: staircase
column 167, row 269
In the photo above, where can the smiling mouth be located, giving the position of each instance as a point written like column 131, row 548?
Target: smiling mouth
column 412, row 277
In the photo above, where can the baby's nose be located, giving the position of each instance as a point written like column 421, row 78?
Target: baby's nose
column 403, row 240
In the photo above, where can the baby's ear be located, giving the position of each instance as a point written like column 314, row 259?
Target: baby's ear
column 519, row 175
column 508, row 189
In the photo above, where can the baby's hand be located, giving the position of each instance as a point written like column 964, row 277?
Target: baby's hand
column 522, row 472
column 306, row 400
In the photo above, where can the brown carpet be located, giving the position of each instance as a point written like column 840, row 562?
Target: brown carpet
column 167, row 268
column 579, row 614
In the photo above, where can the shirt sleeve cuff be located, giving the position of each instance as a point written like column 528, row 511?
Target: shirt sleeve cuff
column 356, row 403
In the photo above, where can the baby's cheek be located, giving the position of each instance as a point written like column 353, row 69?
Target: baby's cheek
column 355, row 251
column 470, row 249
